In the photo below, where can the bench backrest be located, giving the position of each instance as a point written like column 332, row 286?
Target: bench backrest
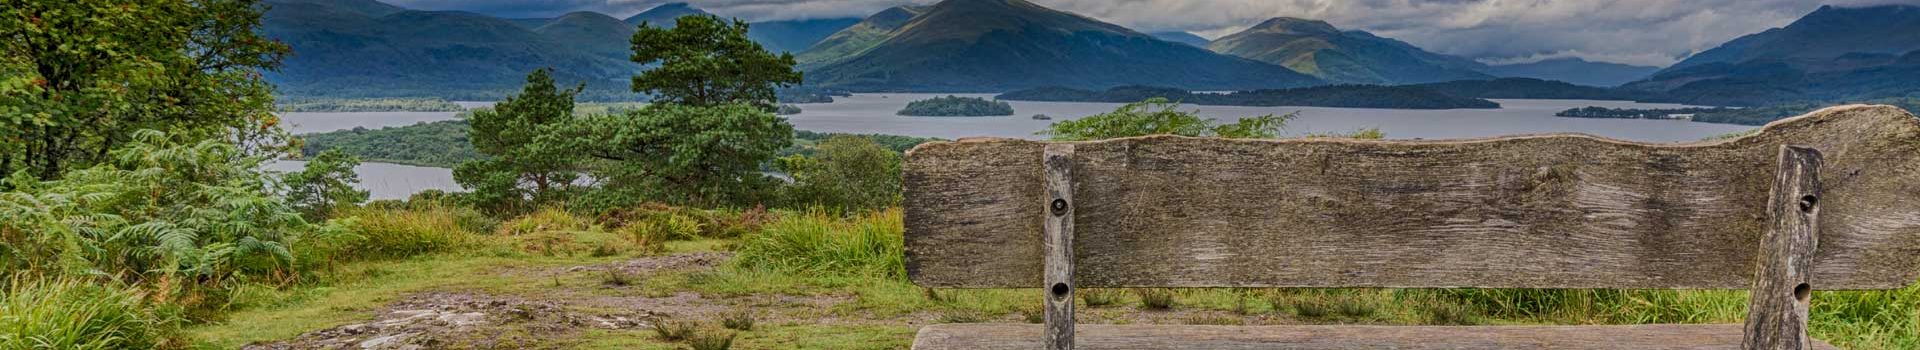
column 1554, row 211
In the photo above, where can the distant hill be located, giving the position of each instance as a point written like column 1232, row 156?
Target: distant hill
column 1530, row 88
column 664, row 16
column 859, row 37
column 1318, row 49
column 1182, row 37
column 364, row 48
column 1343, row 96
column 341, row 49
column 594, row 32
column 796, row 35
column 1834, row 53
column 1003, row 45
column 1575, row 70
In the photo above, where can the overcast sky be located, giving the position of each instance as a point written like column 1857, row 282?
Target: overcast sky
column 1642, row 32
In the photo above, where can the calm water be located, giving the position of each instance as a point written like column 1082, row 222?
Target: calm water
column 873, row 113
column 389, row 181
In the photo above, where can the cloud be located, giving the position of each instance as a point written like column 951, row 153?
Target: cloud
column 1641, row 32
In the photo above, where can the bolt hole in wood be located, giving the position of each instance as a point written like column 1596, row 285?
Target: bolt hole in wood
column 1061, row 289
column 1807, row 201
column 1802, row 292
column 1059, row 207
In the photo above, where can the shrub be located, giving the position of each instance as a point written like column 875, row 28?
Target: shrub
column 76, row 314
column 555, row 232
column 670, row 330
column 398, row 233
column 849, row 173
column 714, row 340
column 1155, row 299
column 742, row 320
column 1100, row 297
column 818, row 243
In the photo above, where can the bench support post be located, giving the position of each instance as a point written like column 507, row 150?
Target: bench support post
column 1782, row 284
column 1058, row 160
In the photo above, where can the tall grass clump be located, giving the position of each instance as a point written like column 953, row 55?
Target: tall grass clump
column 555, row 232
column 816, row 242
column 394, row 233
column 78, row 314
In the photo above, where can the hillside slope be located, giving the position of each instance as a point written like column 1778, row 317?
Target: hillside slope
column 1005, row 45
column 1321, row 50
column 1834, row 53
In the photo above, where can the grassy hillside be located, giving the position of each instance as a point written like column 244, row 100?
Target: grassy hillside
column 1003, row 45
column 1834, row 53
column 1318, row 49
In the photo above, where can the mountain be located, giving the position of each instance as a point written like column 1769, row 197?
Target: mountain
column 859, row 37
column 796, row 35
column 664, row 15
column 1575, row 70
column 368, row 8
column 1004, row 45
column 1182, row 37
column 1321, row 50
column 342, row 49
column 1834, row 53
column 593, row 32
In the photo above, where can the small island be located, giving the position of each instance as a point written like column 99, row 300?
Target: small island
column 787, row 109
column 1344, row 96
column 954, row 106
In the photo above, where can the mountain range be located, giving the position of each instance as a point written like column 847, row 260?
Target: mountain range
column 365, row 48
column 1834, row 53
column 1003, row 45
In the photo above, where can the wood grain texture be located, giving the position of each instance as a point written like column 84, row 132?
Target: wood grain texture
column 1777, row 310
column 1058, row 159
column 1157, row 337
column 1555, row 211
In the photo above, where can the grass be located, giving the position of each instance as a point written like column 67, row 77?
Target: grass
column 858, row 258
column 76, row 314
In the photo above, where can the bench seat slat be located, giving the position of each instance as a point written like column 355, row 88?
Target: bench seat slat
column 1557, row 211
column 1143, row 337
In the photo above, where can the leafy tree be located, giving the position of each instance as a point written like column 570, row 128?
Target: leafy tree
column 325, row 184
column 78, row 76
column 1157, row 116
column 517, row 168
column 680, row 154
column 849, row 173
column 705, row 61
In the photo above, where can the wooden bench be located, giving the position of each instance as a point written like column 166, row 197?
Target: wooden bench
column 1830, row 200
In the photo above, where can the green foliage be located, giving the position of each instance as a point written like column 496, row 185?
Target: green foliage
column 821, row 244
column 366, row 105
column 1155, row 298
column 1362, row 134
column 740, row 321
column 520, row 173
column 1100, row 297
column 845, row 173
column 1742, row 116
column 325, row 185
column 393, row 233
column 712, row 340
column 80, row 76
column 1347, row 96
column 183, row 216
column 80, row 314
column 670, row 330
column 438, row 144
column 1157, row 116
column 706, row 61
column 896, row 143
column 954, row 106
column 677, row 154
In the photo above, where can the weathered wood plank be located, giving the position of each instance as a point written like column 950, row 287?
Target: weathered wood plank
column 1777, row 311
column 1558, row 211
column 1059, row 245
column 1111, row 337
